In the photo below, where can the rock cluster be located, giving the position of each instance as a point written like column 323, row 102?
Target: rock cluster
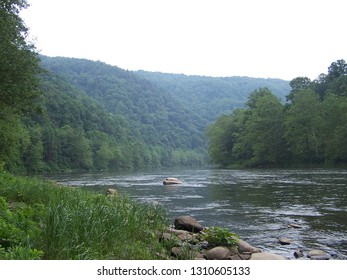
column 185, row 241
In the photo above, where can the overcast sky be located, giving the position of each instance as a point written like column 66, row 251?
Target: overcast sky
column 257, row 38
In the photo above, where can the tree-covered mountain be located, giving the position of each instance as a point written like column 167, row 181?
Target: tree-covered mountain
column 212, row 96
column 153, row 124
column 157, row 118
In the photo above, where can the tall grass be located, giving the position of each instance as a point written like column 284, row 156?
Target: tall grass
column 79, row 224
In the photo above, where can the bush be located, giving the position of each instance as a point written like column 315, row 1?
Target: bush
column 220, row 236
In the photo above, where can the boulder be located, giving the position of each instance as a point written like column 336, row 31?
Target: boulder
column 177, row 252
column 165, row 236
column 186, row 237
column 218, row 253
column 171, row 181
column 298, row 254
column 318, row 255
column 284, row 241
column 244, row 247
column 112, row 192
column 294, row 226
column 188, row 223
column 266, row 256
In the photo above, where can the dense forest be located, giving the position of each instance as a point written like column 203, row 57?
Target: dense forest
column 211, row 97
column 65, row 114
column 309, row 129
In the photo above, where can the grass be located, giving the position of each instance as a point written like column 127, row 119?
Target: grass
column 42, row 220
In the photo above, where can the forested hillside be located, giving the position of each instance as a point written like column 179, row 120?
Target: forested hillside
column 310, row 129
column 100, row 117
column 211, row 96
column 63, row 114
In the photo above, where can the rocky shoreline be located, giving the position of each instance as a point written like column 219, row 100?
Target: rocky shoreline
column 187, row 239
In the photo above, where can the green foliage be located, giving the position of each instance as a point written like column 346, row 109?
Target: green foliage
column 19, row 228
column 210, row 97
column 308, row 130
column 19, row 65
column 220, row 236
column 48, row 221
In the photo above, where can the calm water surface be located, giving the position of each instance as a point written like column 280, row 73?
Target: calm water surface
column 256, row 204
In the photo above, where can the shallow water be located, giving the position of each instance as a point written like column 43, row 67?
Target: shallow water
column 256, row 204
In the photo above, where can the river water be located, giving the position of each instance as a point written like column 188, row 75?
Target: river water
column 258, row 205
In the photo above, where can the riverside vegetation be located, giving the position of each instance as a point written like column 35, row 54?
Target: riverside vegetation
column 43, row 220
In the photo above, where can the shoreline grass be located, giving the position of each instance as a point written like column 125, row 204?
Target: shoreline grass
column 42, row 220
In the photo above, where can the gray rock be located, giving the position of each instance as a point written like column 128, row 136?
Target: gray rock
column 284, row 241
column 188, row 223
column 112, row 192
column 294, row 226
column 318, row 255
column 298, row 254
column 165, row 236
column 187, row 237
column 244, row 247
column 266, row 256
column 218, row 253
column 171, row 181
column 177, row 251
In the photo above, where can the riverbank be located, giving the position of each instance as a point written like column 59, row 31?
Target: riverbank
column 188, row 239
column 43, row 220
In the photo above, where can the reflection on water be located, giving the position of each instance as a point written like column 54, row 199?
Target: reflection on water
column 256, row 204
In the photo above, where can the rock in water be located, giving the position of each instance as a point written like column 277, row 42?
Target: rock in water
column 266, row 256
column 298, row 254
column 284, row 241
column 318, row 255
column 244, row 247
column 188, row 223
column 171, row 181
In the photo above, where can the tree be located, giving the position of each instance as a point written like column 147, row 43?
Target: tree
column 335, row 128
column 304, row 127
column 221, row 140
column 337, row 69
column 298, row 84
column 19, row 80
column 264, row 129
column 19, row 63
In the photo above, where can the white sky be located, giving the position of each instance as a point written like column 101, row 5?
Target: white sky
column 257, row 38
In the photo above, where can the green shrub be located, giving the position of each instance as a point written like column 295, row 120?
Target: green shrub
column 18, row 230
column 220, row 236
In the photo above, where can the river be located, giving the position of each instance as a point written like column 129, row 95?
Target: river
column 258, row 205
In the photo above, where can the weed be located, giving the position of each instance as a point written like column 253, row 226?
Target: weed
column 220, row 236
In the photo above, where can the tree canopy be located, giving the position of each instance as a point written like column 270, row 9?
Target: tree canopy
column 19, row 80
column 310, row 128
